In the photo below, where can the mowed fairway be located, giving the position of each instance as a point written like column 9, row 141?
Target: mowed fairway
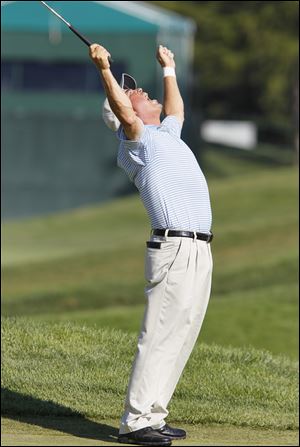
column 78, row 432
column 84, row 270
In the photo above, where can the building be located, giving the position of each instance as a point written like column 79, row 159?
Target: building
column 56, row 151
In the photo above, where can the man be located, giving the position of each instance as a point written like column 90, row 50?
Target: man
column 178, row 264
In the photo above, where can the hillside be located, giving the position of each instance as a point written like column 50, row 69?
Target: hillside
column 87, row 265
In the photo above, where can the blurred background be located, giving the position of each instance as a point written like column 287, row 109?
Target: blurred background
column 73, row 227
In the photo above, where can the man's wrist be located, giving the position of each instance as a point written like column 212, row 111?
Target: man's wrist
column 105, row 73
column 169, row 71
column 104, row 70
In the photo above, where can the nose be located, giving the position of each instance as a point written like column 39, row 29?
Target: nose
column 141, row 92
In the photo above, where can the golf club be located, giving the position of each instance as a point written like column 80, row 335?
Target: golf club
column 84, row 39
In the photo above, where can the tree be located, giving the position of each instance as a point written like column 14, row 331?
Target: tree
column 246, row 59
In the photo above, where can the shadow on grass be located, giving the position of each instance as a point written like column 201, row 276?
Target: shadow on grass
column 264, row 156
column 50, row 415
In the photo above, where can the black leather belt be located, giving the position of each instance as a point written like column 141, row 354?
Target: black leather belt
column 177, row 233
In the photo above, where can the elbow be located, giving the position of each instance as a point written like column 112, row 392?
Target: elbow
column 126, row 116
column 128, row 121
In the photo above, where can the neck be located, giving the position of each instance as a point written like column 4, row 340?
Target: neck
column 151, row 120
column 154, row 119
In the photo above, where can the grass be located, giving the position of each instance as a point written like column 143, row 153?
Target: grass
column 82, row 431
column 87, row 265
column 223, row 162
column 253, row 320
column 72, row 296
column 68, row 370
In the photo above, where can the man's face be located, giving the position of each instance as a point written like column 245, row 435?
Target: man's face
column 142, row 104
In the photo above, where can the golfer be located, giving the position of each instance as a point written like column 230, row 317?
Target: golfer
column 178, row 263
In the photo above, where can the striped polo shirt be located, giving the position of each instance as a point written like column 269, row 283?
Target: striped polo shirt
column 171, row 184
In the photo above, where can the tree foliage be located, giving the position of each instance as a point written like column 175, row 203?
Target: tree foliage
column 246, row 57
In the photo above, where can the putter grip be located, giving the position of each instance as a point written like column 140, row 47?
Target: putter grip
column 84, row 39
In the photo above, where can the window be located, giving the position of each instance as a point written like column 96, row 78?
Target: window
column 53, row 76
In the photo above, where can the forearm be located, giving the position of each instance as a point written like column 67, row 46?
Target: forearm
column 118, row 100
column 173, row 103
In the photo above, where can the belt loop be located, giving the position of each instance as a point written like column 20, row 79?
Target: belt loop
column 166, row 232
column 195, row 236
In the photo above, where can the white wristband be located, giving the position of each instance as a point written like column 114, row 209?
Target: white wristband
column 169, row 71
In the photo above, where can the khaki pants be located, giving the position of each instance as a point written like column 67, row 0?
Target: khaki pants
column 178, row 271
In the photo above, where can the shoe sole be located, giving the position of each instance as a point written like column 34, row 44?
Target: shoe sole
column 132, row 441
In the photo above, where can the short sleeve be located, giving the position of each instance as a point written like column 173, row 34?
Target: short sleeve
column 172, row 124
column 122, row 136
column 139, row 151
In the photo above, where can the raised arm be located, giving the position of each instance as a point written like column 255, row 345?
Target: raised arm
column 118, row 100
column 173, row 103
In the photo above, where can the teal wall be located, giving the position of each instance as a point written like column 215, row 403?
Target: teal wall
column 56, row 151
column 136, row 50
column 53, row 162
column 86, row 15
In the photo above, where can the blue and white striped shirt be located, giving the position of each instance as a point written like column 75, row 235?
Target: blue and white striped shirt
column 171, row 184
